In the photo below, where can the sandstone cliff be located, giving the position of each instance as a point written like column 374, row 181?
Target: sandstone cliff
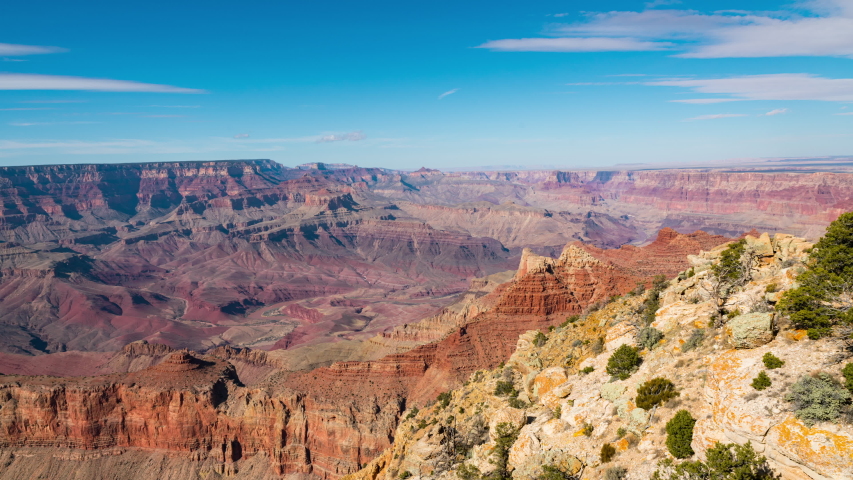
column 568, row 407
column 326, row 422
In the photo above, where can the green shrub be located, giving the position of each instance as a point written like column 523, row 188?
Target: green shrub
column 608, row 451
column 694, row 341
column 570, row 320
column 550, row 472
column 616, row 473
column 762, row 381
column 771, row 288
column 443, row 399
column 587, row 370
column 624, row 362
column 412, row 413
column 655, row 392
column 848, row 376
column 422, row 424
column 818, row 398
column 515, row 402
column 540, row 339
column 772, row 361
column 819, row 302
column 725, row 461
column 558, row 412
column 405, row 475
column 587, row 429
column 652, row 301
column 620, row 432
column 506, row 434
column 679, row 434
column 468, row 472
column 505, row 389
column 649, row 337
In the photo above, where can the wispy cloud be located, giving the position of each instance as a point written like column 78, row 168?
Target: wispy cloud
column 574, row 44
column 778, row 111
column 784, row 86
column 176, row 106
column 560, row 15
column 717, row 116
column 12, row 50
column 24, row 81
column 163, row 116
column 449, row 92
column 241, row 135
column 342, row 137
column 19, row 109
column 845, row 113
column 825, row 30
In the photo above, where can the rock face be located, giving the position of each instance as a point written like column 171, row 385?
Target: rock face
column 254, row 254
column 325, row 422
column 572, row 407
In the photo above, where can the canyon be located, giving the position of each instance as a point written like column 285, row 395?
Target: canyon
column 249, row 320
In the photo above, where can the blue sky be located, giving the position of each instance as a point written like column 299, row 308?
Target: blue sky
column 575, row 84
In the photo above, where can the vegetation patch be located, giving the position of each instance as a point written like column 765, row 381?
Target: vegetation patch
column 655, row 392
column 818, row 398
column 824, row 296
column 772, row 361
column 762, row 381
column 725, row 461
column 624, row 362
column 649, row 337
column 607, row 453
column 679, row 434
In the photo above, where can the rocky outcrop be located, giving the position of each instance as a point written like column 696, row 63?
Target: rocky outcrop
column 326, row 422
column 567, row 407
column 750, row 330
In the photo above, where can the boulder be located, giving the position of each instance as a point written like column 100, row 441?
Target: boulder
column 750, row 330
column 513, row 416
column 548, row 379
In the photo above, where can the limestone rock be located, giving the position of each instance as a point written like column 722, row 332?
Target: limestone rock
column 548, row 379
column 750, row 330
column 513, row 416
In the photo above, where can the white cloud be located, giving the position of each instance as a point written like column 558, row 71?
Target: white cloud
column 11, row 50
column 23, row 108
column 341, row 137
column 560, row 15
column 783, row 86
column 24, row 81
column 449, row 92
column 845, row 113
column 824, row 29
column 176, row 106
column 241, row 135
column 778, row 111
column 718, row 115
column 574, row 44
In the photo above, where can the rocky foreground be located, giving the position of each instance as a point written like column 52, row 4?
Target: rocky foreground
column 221, row 413
column 567, row 405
